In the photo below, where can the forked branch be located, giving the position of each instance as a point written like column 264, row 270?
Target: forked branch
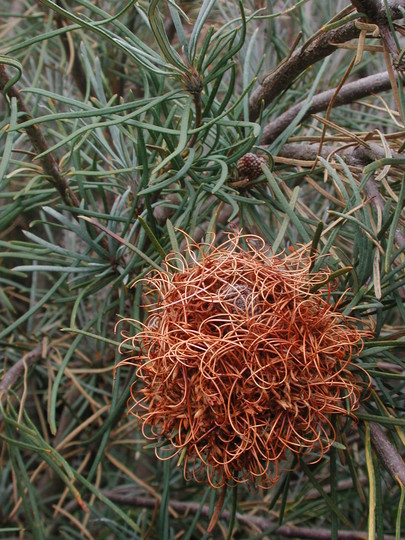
column 321, row 45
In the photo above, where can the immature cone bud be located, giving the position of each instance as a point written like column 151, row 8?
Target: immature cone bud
column 249, row 166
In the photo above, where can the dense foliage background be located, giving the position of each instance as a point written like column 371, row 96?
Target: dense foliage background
column 122, row 125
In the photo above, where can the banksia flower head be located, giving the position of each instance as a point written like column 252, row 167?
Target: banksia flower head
column 249, row 166
column 241, row 363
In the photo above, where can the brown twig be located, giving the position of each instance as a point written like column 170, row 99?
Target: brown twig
column 375, row 12
column 198, row 118
column 12, row 375
column 388, row 454
column 358, row 157
column 262, row 523
column 361, row 156
column 193, row 84
column 350, row 92
column 372, row 9
column 323, row 44
column 48, row 162
column 283, row 77
column 78, row 72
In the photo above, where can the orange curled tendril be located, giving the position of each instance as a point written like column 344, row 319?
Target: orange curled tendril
column 240, row 362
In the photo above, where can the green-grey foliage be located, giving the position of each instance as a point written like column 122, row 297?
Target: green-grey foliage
column 144, row 106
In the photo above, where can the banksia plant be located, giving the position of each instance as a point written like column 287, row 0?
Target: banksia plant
column 125, row 123
column 242, row 359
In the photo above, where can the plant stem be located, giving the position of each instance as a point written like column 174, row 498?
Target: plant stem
column 48, row 162
column 388, row 454
column 263, row 523
column 350, row 92
column 321, row 45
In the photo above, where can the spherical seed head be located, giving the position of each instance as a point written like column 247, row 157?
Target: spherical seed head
column 241, row 364
column 249, row 166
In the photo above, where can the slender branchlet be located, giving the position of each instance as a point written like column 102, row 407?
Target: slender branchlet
column 52, row 172
column 193, row 84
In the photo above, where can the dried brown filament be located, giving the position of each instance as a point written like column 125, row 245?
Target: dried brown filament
column 240, row 362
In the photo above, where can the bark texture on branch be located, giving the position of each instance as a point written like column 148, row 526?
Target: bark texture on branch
column 350, row 92
column 317, row 48
column 262, row 523
column 48, row 162
column 375, row 13
column 388, row 454
column 358, row 156
column 284, row 76
column 375, row 9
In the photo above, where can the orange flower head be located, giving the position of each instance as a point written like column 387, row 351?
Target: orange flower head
column 240, row 362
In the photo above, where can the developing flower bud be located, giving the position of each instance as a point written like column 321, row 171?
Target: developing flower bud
column 249, row 166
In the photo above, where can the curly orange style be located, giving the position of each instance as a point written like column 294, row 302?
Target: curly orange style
column 240, row 361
